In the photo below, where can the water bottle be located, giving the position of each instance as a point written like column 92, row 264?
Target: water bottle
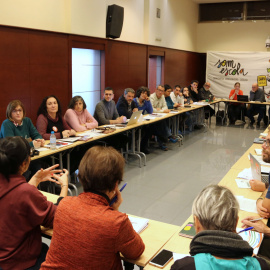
column 182, row 101
column 52, row 141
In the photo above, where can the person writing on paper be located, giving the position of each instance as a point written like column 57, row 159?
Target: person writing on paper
column 100, row 229
column 106, row 112
column 126, row 105
column 50, row 119
column 23, row 207
column 17, row 124
column 216, row 244
column 78, row 117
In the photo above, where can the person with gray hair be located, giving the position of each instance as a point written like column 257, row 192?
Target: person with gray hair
column 126, row 105
column 216, row 244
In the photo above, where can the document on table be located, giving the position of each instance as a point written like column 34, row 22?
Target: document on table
column 201, row 103
column 242, row 183
column 178, row 256
column 258, row 152
column 139, row 224
column 263, row 134
column 245, row 174
column 253, row 238
column 246, row 204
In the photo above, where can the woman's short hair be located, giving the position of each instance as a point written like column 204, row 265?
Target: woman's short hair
column 13, row 152
column 237, row 83
column 142, row 89
column 216, row 208
column 73, row 101
column 101, row 168
column 43, row 106
column 12, row 106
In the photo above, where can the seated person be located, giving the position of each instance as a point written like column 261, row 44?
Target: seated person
column 142, row 100
column 50, row 119
column 126, row 105
column 205, row 94
column 190, row 116
column 143, row 103
column 106, row 112
column 167, row 94
column 176, row 94
column 216, row 244
column 17, row 124
column 234, row 109
column 101, row 229
column 256, row 94
column 193, row 91
column 161, row 128
column 78, row 117
column 23, row 207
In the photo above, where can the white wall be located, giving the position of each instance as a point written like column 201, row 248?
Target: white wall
column 176, row 28
column 238, row 36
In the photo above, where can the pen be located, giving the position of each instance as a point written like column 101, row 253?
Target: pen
column 247, row 229
column 115, row 197
column 257, row 219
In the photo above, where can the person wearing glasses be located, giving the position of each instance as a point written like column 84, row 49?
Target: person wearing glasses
column 106, row 112
column 17, row 124
column 161, row 129
column 205, row 94
column 257, row 95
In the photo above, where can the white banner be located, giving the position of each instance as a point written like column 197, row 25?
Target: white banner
column 224, row 69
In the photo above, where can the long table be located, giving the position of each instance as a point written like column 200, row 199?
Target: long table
column 179, row 244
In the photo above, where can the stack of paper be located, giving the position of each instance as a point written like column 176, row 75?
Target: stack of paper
column 253, row 238
column 247, row 205
column 139, row 224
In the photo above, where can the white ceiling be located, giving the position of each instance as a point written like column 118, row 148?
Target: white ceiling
column 220, row 1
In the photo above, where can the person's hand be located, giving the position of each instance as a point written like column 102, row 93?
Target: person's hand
column 166, row 111
column 262, row 211
column 84, row 125
column 195, row 90
column 185, row 100
column 44, row 175
column 147, row 98
column 62, row 179
column 89, row 120
column 119, row 200
column 42, row 142
column 158, row 109
column 259, row 226
column 191, row 102
column 257, row 185
column 180, row 94
column 72, row 132
column 175, row 105
column 36, row 143
column 65, row 133
column 214, row 98
column 135, row 109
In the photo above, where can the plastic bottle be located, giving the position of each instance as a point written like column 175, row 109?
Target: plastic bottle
column 182, row 101
column 52, row 141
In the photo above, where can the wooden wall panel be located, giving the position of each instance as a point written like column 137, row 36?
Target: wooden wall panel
column 126, row 66
column 34, row 64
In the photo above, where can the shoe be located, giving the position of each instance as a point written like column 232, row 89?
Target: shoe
column 163, row 147
column 173, row 139
column 145, row 150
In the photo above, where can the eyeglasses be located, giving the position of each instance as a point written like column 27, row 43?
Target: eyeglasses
column 266, row 143
column 19, row 111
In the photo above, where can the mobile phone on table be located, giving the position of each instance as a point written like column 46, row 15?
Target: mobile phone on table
column 162, row 258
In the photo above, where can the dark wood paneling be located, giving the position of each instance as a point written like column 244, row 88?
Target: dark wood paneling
column 34, row 64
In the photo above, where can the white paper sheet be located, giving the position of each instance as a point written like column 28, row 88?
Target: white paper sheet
column 178, row 256
column 242, row 183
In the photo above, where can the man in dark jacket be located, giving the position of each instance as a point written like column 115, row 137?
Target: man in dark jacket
column 126, row 105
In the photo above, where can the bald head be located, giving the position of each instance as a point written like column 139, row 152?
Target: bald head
column 254, row 87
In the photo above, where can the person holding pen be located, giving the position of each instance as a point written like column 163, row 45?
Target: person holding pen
column 263, row 205
column 216, row 244
column 88, row 232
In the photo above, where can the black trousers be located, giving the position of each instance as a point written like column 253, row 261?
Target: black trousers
column 234, row 112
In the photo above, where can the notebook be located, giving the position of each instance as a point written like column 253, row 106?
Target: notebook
column 138, row 224
column 188, row 231
column 134, row 118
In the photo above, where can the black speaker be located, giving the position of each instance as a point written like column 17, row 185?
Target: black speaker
column 114, row 23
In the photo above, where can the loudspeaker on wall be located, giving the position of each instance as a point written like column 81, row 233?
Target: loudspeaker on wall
column 114, row 22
